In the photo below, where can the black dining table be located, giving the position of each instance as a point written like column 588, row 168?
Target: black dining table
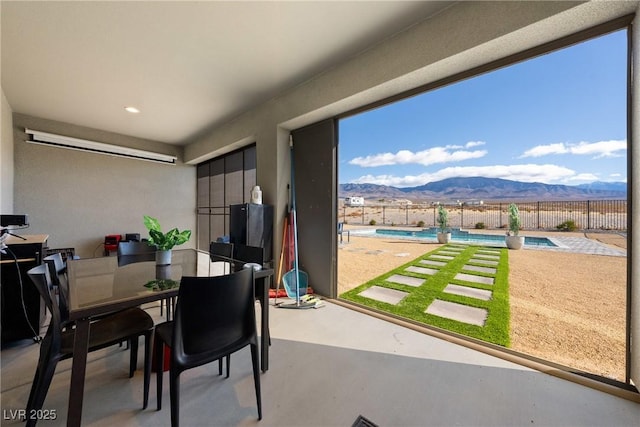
column 97, row 286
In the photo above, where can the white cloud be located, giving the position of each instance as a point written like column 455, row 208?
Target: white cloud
column 550, row 174
column 612, row 148
column 472, row 144
column 583, row 177
column 543, row 150
column 433, row 155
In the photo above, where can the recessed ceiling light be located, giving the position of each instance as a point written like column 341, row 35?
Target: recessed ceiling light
column 132, row 109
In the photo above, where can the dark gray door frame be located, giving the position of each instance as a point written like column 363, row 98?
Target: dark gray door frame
column 315, row 153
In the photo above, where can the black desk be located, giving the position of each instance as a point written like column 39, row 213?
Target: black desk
column 98, row 286
column 16, row 288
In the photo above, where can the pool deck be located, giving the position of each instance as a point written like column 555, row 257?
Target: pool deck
column 572, row 242
column 581, row 245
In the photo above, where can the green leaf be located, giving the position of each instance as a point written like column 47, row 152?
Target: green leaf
column 151, row 223
column 183, row 237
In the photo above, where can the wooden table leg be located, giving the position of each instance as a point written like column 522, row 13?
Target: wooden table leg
column 78, row 370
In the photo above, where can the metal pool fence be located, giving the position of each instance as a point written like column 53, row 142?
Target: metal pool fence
column 585, row 214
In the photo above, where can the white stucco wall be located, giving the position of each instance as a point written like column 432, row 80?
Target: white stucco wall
column 6, row 158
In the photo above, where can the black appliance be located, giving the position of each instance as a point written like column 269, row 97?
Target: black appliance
column 252, row 224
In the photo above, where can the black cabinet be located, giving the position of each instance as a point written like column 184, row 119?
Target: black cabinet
column 19, row 294
column 251, row 224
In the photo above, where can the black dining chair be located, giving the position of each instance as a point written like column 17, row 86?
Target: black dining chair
column 238, row 255
column 222, row 252
column 57, row 344
column 58, row 273
column 246, row 254
column 215, row 316
column 131, row 252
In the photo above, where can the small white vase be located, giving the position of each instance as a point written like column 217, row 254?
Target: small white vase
column 163, row 257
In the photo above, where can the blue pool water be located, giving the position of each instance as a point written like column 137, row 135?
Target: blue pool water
column 461, row 236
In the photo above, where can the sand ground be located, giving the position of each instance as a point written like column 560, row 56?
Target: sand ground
column 567, row 308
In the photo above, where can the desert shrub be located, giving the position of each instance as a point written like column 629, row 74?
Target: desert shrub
column 372, row 222
column 568, row 225
column 420, row 224
column 480, row 225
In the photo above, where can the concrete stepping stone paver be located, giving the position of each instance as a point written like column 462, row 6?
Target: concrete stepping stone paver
column 459, row 312
column 406, row 280
column 421, row 270
column 448, row 253
column 466, row 291
column 474, row 278
column 483, row 261
column 378, row 293
column 432, row 262
column 488, row 251
column 448, row 258
column 489, row 270
column 486, row 256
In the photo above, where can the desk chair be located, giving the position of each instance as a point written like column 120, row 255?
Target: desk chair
column 215, row 316
column 126, row 325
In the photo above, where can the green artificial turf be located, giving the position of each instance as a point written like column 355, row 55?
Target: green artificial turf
column 496, row 328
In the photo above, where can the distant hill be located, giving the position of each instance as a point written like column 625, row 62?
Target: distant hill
column 608, row 186
column 479, row 188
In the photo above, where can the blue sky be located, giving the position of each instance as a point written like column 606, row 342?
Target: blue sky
column 557, row 119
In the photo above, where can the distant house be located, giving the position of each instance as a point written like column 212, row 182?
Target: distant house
column 354, row 201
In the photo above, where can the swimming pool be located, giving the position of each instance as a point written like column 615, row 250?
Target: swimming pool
column 457, row 235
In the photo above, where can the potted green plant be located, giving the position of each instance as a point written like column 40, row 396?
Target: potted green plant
column 513, row 240
column 444, row 235
column 164, row 242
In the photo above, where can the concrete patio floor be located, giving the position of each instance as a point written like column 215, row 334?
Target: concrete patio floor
column 328, row 366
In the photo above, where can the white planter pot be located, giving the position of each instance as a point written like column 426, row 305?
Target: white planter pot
column 514, row 242
column 163, row 257
column 444, row 237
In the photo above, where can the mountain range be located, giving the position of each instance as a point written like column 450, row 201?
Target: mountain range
column 486, row 189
